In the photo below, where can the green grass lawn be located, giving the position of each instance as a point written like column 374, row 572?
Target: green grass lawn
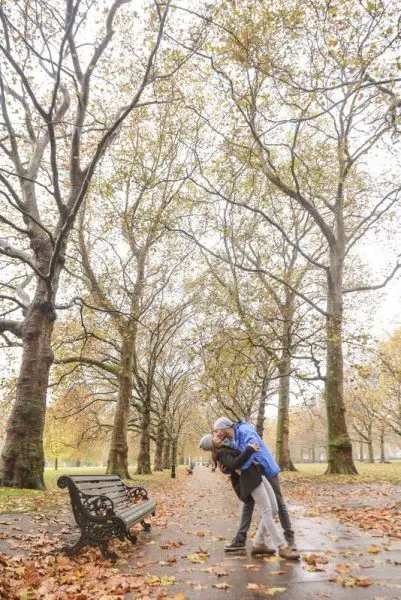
column 368, row 473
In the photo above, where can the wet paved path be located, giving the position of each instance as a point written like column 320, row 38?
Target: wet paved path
column 206, row 515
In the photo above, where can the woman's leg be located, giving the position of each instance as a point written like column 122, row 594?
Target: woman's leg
column 273, row 502
column 272, row 496
column 266, row 525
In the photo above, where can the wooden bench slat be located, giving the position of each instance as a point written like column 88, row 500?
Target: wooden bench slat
column 138, row 512
column 96, row 485
column 78, row 479
column 103, row 491
column 116, row 494
column 94, row 476
column 119, row 508
column 118, row 503
column 117, row 497
column 140, row 506
column 125, row 500
column 114, row 491
column 137, row 509
column 107, row 485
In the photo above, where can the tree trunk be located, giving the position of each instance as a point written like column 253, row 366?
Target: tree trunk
column 313, row 454
column 262, row 405
column 361, row 456
column 167, row 454
column 370, row 445
column 78, row 463
column 382, row 452
column 117, row 463
column 144, row 467
column 158, row 465
column 173, row 457
column 283, row 455
column 23, row 456
column 160, row 437
column 56, row 464
column 370, row 450
column 339, row 447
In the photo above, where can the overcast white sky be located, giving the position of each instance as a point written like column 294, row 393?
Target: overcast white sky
column 384, row 316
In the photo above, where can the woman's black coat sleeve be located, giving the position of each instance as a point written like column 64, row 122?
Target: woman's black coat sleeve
column 224, row 457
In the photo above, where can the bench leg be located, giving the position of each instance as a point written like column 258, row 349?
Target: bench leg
column 79, row 544
column 145, row 525
column 85, row 541
column 106, row 553
column 131, row 537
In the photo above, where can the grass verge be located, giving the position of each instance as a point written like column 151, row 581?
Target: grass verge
column 368, row 473
column 16, row 500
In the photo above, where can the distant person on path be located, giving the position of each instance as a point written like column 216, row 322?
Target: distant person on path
column 241, row 434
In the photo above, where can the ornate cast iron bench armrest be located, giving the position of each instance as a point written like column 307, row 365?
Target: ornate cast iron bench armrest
column 96, row 506
column 136, row 492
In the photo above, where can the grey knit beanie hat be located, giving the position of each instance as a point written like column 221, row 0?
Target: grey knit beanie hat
column 206, row 442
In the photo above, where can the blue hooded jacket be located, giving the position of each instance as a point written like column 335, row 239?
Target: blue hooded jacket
column 245, row 435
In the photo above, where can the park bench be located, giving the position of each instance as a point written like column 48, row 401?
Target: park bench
column 104, row 508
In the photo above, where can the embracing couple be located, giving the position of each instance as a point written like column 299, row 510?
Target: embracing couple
column 242, row 454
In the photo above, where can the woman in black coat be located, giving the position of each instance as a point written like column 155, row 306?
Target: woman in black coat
column 231, row 461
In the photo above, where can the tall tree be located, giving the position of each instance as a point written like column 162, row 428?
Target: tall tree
column 56, row 69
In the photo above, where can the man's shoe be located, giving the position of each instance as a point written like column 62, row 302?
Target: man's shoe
column 235, row 546
column 292, row 544
column 262, row 549
column 289, row 553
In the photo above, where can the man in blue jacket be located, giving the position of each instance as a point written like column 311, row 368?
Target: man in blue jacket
column 241, row 434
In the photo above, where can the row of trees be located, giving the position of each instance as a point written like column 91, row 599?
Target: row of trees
column 372, row 439
column 188, row 190
column 374, row 400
